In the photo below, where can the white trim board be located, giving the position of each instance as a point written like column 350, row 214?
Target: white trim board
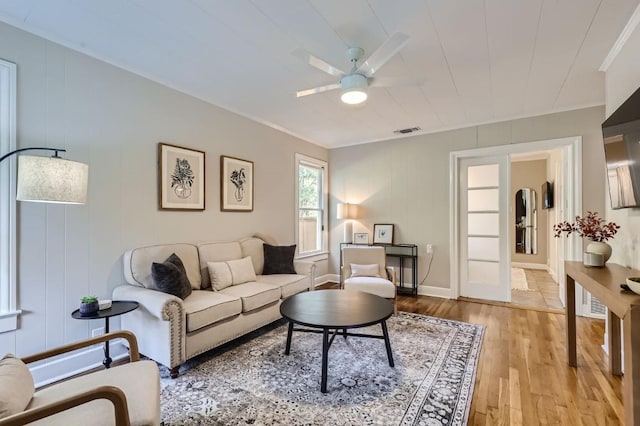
column 524, row 265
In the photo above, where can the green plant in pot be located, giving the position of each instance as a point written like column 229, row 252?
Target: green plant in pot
column 89, row 306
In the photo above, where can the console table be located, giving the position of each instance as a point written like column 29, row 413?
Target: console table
column 604, row 283
column 402, row 252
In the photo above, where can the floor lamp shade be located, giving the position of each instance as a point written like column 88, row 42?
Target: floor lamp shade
column 52, row 180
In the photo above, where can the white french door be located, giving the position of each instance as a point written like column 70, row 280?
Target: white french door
column 485, row 258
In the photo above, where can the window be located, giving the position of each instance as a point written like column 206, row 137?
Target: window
column 311, row 205
column 8, row 312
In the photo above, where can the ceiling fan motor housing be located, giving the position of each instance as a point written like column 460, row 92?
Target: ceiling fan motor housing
column 354, row 81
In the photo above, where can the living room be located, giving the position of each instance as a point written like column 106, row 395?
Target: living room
column 113, row 119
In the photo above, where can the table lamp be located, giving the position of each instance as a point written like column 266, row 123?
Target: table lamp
column 346, row 211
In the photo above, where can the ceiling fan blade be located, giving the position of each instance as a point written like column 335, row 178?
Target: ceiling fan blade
column 396, row 81
column 383, row 54
column 317, row 63
column 317, row 90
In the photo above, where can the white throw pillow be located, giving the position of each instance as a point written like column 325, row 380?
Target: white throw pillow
column 365, row 270
column 16, row 386
column 242, row 270
column 220, row 275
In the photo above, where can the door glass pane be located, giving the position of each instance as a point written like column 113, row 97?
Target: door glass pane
column 484, row 248
column 485, row 175
column 483, row 199
column 486, row 273
column 483, row 223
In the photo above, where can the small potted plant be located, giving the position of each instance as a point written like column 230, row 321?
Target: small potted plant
column 593, row 227
column 89, row 306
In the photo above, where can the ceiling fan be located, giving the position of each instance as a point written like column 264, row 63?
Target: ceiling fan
column 354, row 84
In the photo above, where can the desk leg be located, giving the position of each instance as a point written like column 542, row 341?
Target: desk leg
column 570, row 300
column 107, row 359
column 631, row 384
column 325, row 355
column 615, row 349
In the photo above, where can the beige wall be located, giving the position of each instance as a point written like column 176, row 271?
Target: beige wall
column 530, row 174
column 622, row 79
column 406, row 181
column 113, row 120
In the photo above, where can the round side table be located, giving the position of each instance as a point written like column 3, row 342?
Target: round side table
column 118, row 307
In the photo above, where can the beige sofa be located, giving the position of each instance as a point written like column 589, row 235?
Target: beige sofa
column 171, row 330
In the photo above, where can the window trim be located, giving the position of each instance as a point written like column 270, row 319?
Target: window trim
column 8, row 310
column 301, row 159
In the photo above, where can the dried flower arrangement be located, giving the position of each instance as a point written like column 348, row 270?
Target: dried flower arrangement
column 591, row 226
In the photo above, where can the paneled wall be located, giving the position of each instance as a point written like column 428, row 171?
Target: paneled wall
column 113, row 120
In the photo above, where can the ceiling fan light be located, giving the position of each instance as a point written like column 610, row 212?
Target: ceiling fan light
column 354, row 89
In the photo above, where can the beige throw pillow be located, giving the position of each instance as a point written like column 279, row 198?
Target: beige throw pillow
column 220, row 275
column 365, row 270
column 16, row 386
column 242, row 270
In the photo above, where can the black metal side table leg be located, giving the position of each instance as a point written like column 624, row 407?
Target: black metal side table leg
column 289, row 333
column 107, row 359
column 387, row 344
column 325, row 355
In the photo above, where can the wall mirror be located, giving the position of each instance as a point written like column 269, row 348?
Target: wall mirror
column 526, row 221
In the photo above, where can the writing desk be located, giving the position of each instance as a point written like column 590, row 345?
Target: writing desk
column 604, row 283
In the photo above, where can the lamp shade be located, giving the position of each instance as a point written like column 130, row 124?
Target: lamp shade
column 342, row 211
column 52, row 180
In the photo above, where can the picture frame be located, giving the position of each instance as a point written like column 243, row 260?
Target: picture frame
column 360, row 238
column 236, row 184
column 181, row 178
column 383, row 233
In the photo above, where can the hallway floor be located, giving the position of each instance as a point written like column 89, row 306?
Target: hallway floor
column 545, row 294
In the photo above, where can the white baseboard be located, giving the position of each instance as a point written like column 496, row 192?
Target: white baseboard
column 75, row 363
column 427, row 290
column 327, row 278
column 523, row 265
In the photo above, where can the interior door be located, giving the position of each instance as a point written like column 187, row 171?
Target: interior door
column 485, row 258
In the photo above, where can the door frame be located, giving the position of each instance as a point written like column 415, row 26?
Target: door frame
column 571, row 148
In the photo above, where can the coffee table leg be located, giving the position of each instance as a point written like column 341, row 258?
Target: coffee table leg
column 325, row 355
column 289, row 333
column 387, row 343
column 344, row 333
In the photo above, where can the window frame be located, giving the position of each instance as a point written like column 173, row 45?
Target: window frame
column 8, row 308
column 301, row 159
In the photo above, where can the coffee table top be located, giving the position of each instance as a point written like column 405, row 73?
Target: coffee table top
column 336, row 309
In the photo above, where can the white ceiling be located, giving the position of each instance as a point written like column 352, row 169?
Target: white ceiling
column 480, row 60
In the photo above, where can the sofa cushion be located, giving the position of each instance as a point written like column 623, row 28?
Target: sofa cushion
column 378, row 286
column 140, row 382
column 170, row 277
column 16, row 386
column 216, row 252
column 365, row 270
column 278, row 259
column 254, row 295
column 219, row 275
column 289, row 284
column 241, row 270
column 206, row 307
column 253, row 247
column 137, row 263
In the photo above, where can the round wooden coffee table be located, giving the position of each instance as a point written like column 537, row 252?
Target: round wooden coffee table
column 337, row 310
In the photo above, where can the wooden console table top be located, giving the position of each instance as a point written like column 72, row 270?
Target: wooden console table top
column 604, row 283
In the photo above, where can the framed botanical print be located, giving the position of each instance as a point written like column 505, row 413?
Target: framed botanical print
column 236, row 184
column 360, row 238
column 383, row 233
column 181, row 178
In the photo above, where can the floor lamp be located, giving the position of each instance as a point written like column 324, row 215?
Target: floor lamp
column 50, row 179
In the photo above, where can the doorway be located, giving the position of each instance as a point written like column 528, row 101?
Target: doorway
column 565, row 170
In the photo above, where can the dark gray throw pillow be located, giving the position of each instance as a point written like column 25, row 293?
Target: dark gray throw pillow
column 171, row 277
column 278, row 259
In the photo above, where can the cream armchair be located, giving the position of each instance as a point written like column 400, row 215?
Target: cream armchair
column 123, row 395
column 365, row 269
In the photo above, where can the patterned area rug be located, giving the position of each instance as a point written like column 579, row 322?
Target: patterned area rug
column 251, row 381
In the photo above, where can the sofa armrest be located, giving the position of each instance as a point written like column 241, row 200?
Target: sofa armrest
column 304, row 267
column 155, row 302
column 391, row 275
column 134, row 354
column 112, row 393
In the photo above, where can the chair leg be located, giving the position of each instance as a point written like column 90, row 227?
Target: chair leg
column 395, row 305
column 175, row 371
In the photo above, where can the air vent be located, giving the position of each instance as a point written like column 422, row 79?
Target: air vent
column 407, row 130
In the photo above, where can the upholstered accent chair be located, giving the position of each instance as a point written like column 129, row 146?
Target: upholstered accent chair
column 365, row 269
column 127, row 394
